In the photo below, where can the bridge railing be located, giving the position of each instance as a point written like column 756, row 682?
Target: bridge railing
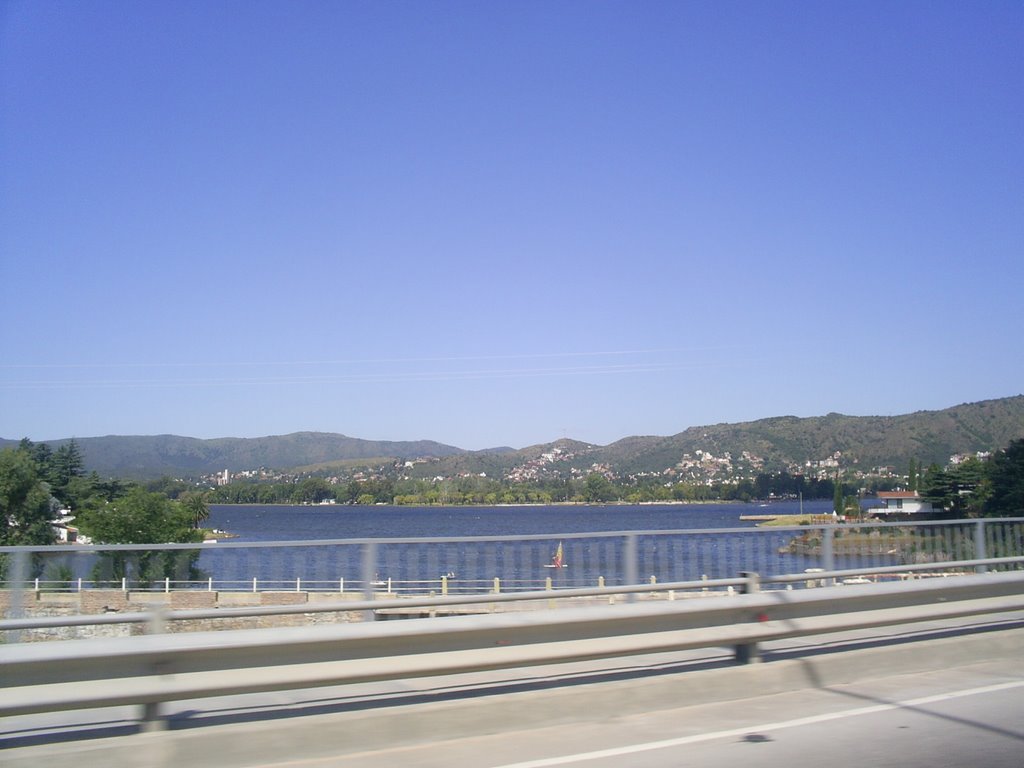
column 472, row 564
column 371, row 569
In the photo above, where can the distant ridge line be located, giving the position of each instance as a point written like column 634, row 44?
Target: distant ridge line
column 779, row 442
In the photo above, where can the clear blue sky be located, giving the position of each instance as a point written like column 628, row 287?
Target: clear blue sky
column 502, row 223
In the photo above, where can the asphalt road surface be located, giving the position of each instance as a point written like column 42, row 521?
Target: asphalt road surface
column 967, row 709
column 972, row 716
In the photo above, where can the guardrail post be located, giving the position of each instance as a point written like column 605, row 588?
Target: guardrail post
column 444, row 585
column 152, row 721
column 18, row 575
column 369, row 575
column 630, row 566
column 157, row 624
column 979, row 546
column 209, row 584
column 167, row 584
column 747, row 653
column 497, row 585
column 828, row 560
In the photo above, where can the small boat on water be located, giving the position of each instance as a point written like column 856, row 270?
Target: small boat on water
column 557, row 560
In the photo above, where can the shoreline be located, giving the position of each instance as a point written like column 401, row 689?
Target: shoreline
column 519, row 504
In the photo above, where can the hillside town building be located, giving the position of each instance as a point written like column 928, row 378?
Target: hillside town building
column 902, row 503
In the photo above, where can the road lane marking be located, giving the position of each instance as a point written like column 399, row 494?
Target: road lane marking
column 733, row 732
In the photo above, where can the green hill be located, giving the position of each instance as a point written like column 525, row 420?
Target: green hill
column 153, row 456
column 784, row 442
column 780, row 443
column 864, row 441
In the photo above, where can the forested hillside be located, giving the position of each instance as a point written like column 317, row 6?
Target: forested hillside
column 867, row 441
column 153, row 456
column 783, row 443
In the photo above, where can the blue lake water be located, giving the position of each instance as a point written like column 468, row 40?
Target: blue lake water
column 291, row 523
column 715, row 552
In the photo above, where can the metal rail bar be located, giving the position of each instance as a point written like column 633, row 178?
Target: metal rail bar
column 366, row 605
column 151, row 670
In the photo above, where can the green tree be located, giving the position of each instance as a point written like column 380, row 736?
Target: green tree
column 598, row 488
column 970, row 482
column 1006, row 482
column 959, row 490
column 352, row 491
column 81, row 493
column 195, row 507
column 42, row 455
column 851, row 508
column 67, row 463
column 25, row 505
column 140, row 517
column 382, row 490
column 169, row 487
column 312, row 490
column 108, row 490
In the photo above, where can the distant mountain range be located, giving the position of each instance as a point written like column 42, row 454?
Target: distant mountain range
column 775, row 443
column 141, row 457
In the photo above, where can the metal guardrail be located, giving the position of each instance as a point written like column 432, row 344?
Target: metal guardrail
column 151, row 670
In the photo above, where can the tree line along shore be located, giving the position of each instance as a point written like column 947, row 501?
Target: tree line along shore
column 38, row 486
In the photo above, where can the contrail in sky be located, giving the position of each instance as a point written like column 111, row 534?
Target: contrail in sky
column 357, row 378
column 361, row 361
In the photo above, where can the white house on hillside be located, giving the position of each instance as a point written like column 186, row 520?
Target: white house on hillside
column 902, row 503
column 65, row 532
